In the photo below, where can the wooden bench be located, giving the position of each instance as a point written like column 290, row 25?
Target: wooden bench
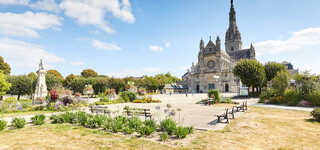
column 233, row 111
column 210, row 101
column 223, row 116
column 138, row 112
column 243, row 107
column 99, row 110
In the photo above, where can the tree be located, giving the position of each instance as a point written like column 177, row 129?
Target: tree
column 4, row 85
column 251, row 73
column 33, row 77
column 78, row 84
column 56, row 73
column 117, row 84
column 281, row 81
column 4, row 66
column 100, row 85
column 68, row 80
column 272, row 68
column 52, row 81
column 151, row 83
column 20, row 85
column 89, row 73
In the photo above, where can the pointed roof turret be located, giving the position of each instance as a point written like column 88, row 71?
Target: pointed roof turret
column 201, row 44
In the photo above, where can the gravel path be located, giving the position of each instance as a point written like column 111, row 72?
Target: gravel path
column 308, row 109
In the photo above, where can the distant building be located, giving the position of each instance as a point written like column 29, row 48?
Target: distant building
column 214, row 67
column 290, row 68
column 175, row 88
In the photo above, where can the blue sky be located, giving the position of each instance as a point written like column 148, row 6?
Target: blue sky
column 136, row 37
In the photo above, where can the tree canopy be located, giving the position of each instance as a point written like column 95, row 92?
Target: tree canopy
column 5, row 67
column 68, row 80
column 4, row 85
column 56, row 73
column 272, row 68
column 89, row 73
column 250, row 72
column 20, row 85
column 52, row 81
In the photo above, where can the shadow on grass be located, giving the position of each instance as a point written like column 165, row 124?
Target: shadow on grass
column 312, row 120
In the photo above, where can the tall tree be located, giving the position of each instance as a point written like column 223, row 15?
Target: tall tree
column 56, row 73
column 251, row 73
column 52, row 81
column 117, row 84
column 100, row 85
column 281, row 81
column 20, row 85
column 272, row 69
column 78, row 84
column 68, row 80
column 5, row 67
column 4, row 85
column 89, row 73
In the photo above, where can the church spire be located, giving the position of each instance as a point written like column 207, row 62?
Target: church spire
column 201, row 44
column 233, row 36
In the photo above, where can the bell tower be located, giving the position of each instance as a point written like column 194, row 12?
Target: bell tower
column 233, row 36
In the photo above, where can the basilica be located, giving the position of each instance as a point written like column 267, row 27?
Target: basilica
column 214, row 67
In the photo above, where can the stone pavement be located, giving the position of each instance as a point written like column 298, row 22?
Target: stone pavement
column 308, row 109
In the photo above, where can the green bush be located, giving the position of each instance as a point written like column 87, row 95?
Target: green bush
column 3, row 125
column 128, row 130
column 316, row 114
column 314, row 97
column 134, row 123
column 56, row 119
column 267, row 94
column 95, row 121
column 181, row 132
column 146, row 130
column 168, row 125
column 128, row 96
column 216, row 94
column 104, row 99
column 151, row 123
column 18, row 122
column 164, row 136
column 292, row 97
column 38, row 119
column 69, row 117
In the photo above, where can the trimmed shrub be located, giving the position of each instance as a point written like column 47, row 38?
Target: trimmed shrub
column 314, row 97
column 277, row 100
column 215, row 93
column 128, row 96
column 268, row 94
column 38, row 119
column 316, row 114
column 138, row 101
column 168, row 125
column 56, row 119
column 181, row 132
column 292, row 97
column 3, row 125
column 18, row 122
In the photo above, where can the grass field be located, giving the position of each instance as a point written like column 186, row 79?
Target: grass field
column 259, row 128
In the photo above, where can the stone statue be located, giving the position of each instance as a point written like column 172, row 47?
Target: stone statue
column 41, row 87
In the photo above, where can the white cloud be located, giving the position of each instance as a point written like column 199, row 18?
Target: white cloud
column 14, row 2
column 27, row 24
column 167, row 44
column 22, row 55
column 94, row 12
column 48, row 5
column 298, row 40
column 77, row 63
column 105, row 46
column 156, row 48
column 135, row 73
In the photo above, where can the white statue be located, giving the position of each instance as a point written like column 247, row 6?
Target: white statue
column 41, row 87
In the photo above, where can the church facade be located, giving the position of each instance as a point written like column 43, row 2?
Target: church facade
column 214, row 67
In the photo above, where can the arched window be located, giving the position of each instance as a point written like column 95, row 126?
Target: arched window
column 232, row 49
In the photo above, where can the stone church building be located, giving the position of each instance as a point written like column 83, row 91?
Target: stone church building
column 214, row 67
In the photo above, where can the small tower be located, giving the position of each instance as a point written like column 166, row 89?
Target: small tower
column 201, row 44
column 252, row 52
column 41, row 87
column 218, row 43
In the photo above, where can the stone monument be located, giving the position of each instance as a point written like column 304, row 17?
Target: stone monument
column 41, row 87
